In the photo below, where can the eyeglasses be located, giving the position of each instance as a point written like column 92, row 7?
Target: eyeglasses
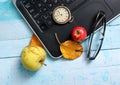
column 96, row 39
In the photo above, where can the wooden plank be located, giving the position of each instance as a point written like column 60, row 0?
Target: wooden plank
column 8, row 11
column 15, row 29
column 12, row 48
column 60, row 72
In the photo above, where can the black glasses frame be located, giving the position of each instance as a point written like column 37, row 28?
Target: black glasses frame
column 100, row 19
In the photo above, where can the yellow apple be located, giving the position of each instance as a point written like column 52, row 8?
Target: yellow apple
column 33, row 57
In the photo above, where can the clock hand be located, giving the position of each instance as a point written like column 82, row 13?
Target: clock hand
column 59, row 12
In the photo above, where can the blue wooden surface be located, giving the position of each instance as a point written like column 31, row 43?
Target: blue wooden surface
column 15, row 35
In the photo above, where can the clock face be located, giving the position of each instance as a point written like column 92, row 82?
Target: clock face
column 61, row 15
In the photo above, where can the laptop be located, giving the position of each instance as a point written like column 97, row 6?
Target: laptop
column 44, row 18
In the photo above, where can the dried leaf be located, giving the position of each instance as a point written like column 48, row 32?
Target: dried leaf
column 71, row 49
column 34, row 41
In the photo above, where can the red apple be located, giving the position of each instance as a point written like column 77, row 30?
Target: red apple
column 79, row 33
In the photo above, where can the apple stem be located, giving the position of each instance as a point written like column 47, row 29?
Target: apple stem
column 78, row 51
column 56, row 36
column 43, row 63
column 78, row 32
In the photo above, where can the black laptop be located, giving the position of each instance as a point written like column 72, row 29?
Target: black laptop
column 47, row 17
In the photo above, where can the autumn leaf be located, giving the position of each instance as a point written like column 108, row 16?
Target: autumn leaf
column 70, row 49
column 34, row 41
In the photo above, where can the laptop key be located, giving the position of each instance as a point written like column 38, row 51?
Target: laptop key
column 32, row 1
column 24, row 1
column 55, row 1
column 50, row 5
column 31, row 11
column 38, row 22
column 45, row 17
column 44, row 9
column 28, row 5
column 49, row 22
column 43, row 27
column 44, row 1
column 37, row 15
column 67, row 1
column 39, row 5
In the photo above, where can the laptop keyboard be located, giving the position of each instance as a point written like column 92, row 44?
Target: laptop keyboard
column 41, row 10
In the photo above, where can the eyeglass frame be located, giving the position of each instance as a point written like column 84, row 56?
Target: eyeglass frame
column 98, row 21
